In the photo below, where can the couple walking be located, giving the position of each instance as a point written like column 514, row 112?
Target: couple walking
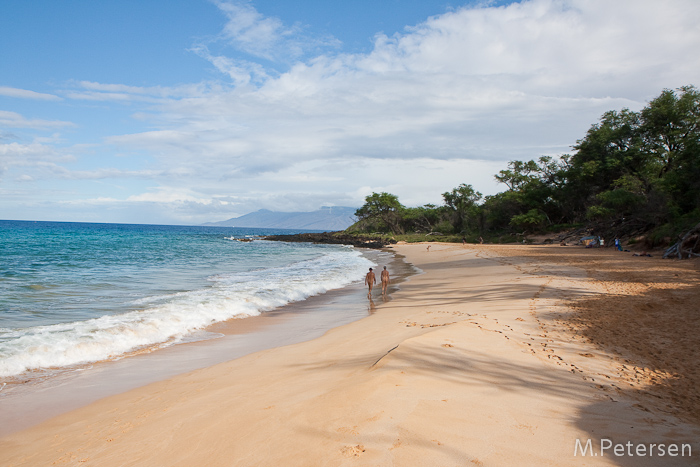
column 370, row 280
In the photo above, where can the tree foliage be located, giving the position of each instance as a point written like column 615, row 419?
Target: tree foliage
column 383, row 207
column 637, row 168
column 462, row 204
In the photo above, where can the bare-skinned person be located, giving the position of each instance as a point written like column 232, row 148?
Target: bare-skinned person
column 385, row 280
column 370, row 280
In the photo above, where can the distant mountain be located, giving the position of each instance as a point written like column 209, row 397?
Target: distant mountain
column 329, row 218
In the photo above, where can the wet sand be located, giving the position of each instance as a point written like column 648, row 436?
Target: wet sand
column 496, row 355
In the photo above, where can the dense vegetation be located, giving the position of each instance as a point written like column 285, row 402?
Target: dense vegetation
column 632, row 174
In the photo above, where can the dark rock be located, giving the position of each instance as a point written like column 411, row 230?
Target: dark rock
column 333, row 238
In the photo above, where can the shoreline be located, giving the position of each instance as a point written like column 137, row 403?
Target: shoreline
column 472, row 361
column 32, row 401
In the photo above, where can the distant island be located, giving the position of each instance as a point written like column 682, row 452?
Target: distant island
column 329, row 218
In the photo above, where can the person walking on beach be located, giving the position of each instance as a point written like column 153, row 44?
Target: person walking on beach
column 370, row 280
column 385, row 280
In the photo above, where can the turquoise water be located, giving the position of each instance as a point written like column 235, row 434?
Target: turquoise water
column 73, row 293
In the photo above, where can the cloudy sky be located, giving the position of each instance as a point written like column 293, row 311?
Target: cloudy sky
column 189, row 111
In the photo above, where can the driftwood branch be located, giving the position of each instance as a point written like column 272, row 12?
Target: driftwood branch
column 687, row 246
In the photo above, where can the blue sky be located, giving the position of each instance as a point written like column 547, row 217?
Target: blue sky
column 189, row 111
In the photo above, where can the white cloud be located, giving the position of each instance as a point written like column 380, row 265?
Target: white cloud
column 258, row 37
column 266, row 37
column 92, row 91
column 15, row 120
column 34, row 154
column 240, row 72
column 27, row 94
column 449, row 101
column 548, row 47
column 166, row 195
column 250, row 31
column 471, row 88
column 42, row 160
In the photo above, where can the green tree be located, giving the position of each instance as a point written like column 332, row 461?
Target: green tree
column 531, row 220
column 499, row 209
column 626, row 198
column 645, row 165
column 384, row 207
column 420, row 219
column 532, row 185
column 670, row 128
column 611, row 149
column 463, row 204
column 518, row 175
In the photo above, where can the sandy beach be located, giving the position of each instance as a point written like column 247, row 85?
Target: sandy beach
column 496, row 355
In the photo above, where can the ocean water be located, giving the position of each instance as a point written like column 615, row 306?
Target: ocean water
column 76, row 293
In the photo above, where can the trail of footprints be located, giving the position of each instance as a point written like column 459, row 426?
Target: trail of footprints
column 435, row 325
column 552, row 337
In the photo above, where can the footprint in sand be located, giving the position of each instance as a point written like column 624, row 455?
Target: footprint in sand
column 353, row 451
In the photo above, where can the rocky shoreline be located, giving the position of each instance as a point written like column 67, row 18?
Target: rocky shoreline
column 334, row 238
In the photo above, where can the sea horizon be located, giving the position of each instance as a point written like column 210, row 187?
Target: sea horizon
column 207, row 224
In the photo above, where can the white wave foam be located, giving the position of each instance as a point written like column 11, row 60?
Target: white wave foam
column 171, row 319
